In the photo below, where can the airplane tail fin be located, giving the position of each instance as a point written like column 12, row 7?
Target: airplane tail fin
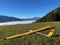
column 51, row 33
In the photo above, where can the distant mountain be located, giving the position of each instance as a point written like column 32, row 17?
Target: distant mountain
column 34, row 18
column 8, row 19
column 51, row 16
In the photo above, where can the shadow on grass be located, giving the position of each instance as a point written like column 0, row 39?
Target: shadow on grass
column 56, row 35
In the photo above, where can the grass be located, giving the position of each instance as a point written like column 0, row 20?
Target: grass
column 32, row 39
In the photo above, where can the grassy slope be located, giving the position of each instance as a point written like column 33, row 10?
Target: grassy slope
column 33, row 39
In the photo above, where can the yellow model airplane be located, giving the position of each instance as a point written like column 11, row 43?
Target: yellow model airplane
column 31, row 32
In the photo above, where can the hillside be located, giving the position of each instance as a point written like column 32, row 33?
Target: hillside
column 33, row 39
column 51, row 16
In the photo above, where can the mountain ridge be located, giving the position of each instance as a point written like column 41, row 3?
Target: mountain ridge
column 53, row 15
column 9, row 19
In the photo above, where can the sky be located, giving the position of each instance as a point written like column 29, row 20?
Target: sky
column 27, row 8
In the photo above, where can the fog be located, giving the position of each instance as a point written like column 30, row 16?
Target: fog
column 16, row 22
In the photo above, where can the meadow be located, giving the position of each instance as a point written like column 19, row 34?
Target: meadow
column 33, row 39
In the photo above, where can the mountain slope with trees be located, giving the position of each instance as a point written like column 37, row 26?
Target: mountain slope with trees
column 51, row 16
